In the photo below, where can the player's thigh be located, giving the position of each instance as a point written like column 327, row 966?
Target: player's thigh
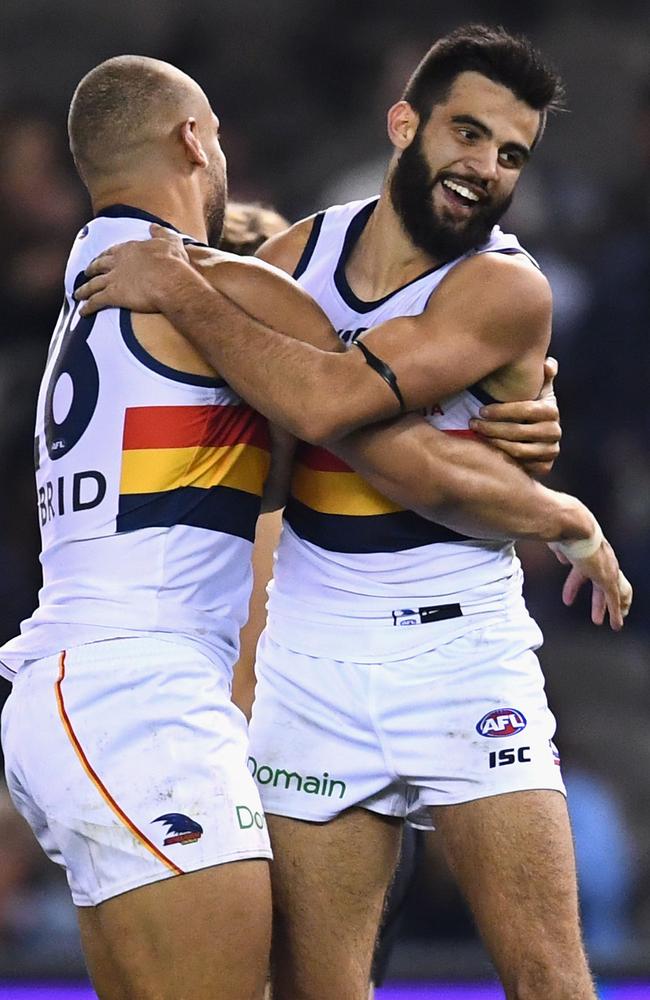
column 204, row 935
column 512, row 855
column 395, row 903
column 329, row 885
column 107, row 974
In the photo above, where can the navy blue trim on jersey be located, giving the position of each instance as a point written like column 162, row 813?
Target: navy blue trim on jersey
column 218, row 508
column 189, row 241
column 310, row 246
column 143, row 356
column 63, row 316
column 129, row 212
column 482, row 396
column 372, row 533
column 512, row 251
column 354, row 231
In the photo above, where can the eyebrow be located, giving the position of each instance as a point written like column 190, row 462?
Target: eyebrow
column 488, row 133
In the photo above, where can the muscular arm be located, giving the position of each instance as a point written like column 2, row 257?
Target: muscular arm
column 320, row 396
column 466, row 485
column 461, row 483
column 263, row 294
column 476, row 490
column 299, row 383
column 276, row 488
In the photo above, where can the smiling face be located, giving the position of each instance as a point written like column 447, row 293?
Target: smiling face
column 456, row 177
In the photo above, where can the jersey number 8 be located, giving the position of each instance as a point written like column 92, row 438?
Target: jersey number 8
column 76, row 360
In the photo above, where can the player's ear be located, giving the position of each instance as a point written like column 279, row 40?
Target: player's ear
column 402, row 122
column 192, row 144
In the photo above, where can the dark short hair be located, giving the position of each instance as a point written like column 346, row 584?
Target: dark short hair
column 510, row 60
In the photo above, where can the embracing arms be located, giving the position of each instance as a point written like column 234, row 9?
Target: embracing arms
column 488, row 497
column 305, row 385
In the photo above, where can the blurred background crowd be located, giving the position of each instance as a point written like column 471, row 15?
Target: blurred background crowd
column 301, row 87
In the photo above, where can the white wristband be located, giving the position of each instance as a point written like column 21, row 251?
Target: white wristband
column 581, row 548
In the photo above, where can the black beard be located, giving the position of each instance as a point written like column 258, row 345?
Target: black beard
column 215, row 210
column 410, row 193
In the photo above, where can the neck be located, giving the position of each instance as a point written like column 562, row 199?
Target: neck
column 181, row 208
column 384, row 257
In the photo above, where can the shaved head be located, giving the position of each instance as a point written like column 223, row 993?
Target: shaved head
column 140, row 127
column 125, row 107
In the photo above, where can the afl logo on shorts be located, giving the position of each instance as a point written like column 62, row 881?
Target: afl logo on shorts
column 501, row 722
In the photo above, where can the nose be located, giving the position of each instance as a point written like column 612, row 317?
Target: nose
column 485, row 162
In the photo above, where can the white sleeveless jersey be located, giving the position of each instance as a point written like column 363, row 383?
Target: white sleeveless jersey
column 148, row 481
column 353, row 568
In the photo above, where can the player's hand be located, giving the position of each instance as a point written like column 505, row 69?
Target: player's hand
column 528, row 431
column 612, row 592
column 135, row 275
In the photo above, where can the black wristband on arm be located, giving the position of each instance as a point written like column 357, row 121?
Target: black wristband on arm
column 386, row 372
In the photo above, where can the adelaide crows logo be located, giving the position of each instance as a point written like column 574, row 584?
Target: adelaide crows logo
column 181, row 829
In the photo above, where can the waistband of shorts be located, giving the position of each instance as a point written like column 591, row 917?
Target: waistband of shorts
column 300, row 615
column 389, row 633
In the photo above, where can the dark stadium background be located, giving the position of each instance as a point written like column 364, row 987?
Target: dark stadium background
column 301, row 87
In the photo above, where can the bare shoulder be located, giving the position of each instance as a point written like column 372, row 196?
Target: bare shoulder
column 508, row 281
column 284, row 250
column 498, row 298
column 518, row 273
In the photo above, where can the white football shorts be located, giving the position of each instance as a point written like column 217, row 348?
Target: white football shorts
column 464, row 721
column 128, row 760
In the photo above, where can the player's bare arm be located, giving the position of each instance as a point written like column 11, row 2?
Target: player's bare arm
column 267, row 296
column 288, row 380
column 526, row 430
column 276, row 488
column 317, row 325
column 263, row 365
column 488, row 322
column 189, row 292
column 475, row 490
column 481, row 492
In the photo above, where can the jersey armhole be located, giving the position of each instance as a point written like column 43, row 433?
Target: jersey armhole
column 310, row 246
column 138, row 351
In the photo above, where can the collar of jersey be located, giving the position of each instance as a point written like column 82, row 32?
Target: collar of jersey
column 129, row 212
column 353, row 233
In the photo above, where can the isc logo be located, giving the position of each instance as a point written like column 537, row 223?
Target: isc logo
column 501, row 722
column 510, row 756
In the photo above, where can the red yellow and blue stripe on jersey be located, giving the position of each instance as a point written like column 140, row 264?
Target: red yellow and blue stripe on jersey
column 203, row 466
column 335, row 508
